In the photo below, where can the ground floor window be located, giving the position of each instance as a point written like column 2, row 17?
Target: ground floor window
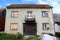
column 13, row 26
column 45, row 26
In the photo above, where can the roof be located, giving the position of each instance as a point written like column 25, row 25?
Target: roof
column 29, row 6
column 56, row 17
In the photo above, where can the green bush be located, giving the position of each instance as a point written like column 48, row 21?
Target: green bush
column 57, row 34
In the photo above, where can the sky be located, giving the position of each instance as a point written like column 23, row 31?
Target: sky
column 54, row 3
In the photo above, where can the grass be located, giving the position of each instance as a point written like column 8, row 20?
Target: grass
column 4, row 36
column 11, row 37
column 58, row 38
column 33, row 38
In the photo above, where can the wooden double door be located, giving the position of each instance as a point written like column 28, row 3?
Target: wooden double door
column 29, row 29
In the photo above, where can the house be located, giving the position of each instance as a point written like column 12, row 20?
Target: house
column 2, row 19
column 56, row 18
column 29, row 19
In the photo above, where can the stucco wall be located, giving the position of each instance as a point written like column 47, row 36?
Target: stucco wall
column 20, row 20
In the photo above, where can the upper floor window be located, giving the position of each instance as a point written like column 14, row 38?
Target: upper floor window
column 13, row 26
column 45, row 26
column 29, row 13
column 44, row 13
column 14, row 14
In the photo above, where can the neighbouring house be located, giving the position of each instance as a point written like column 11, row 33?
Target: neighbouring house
column 29, row 19
column 2, row 19
column 57, row 22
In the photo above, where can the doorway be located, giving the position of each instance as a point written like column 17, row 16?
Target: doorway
column 29, row 29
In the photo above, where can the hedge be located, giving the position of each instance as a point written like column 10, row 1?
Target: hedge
column 57, row 34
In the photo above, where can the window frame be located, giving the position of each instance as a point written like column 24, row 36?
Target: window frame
column 13, row 24
column 12, row 14
column 44, row 14
column 44, row 26
column 29, row 13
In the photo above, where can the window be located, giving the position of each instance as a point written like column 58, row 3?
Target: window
column 44, row 13
column 29, row 13
column 14, row 14
column 13, row 26
column 45, row 26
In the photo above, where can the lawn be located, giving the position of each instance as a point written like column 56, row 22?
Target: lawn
column 10, row 37
column 4, row 36
column 36, row 37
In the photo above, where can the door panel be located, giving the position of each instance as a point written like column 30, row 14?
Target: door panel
column 29, row 28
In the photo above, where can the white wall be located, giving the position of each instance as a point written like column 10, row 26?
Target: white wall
column 20, row 20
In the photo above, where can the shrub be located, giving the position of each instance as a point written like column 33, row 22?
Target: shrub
column 57, row 34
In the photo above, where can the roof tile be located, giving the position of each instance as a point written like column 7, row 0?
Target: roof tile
column 29, row 6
